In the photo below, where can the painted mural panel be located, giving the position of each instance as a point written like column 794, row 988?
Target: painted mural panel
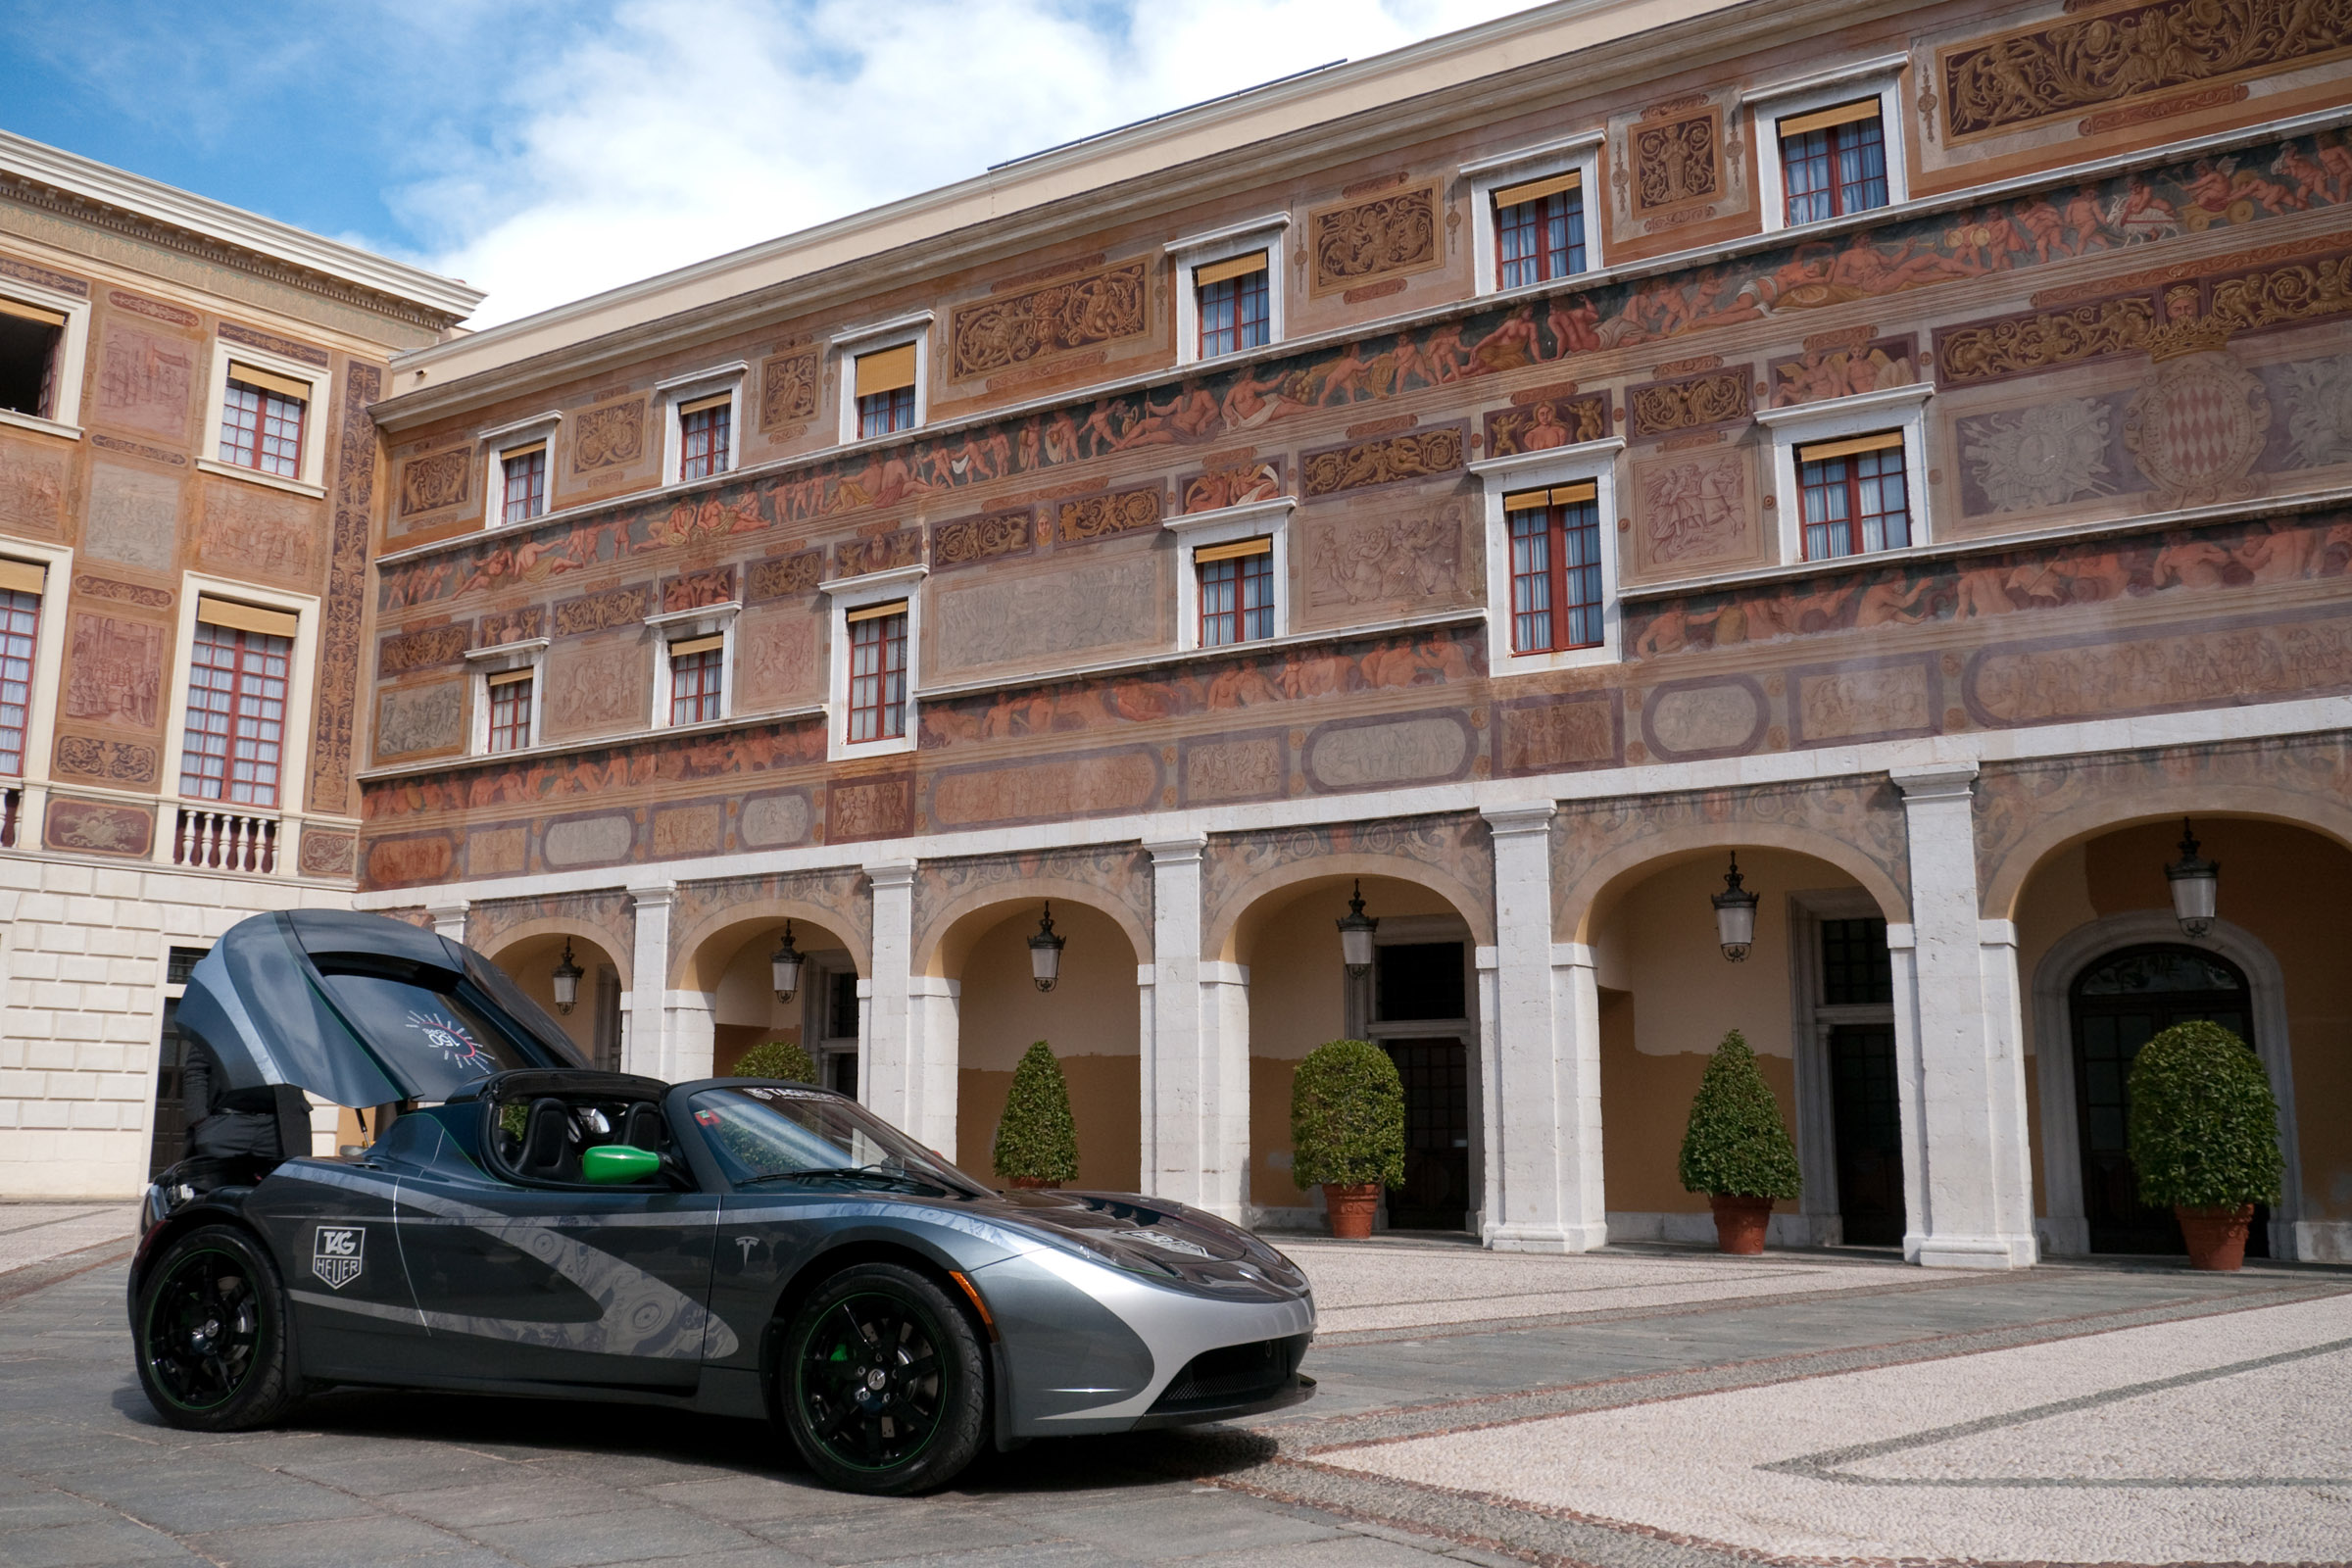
column 414, row 722
column 248, row 532
column 1086, row 784
column 33, row 487
column 1695, row 510
column 777, row 663
column 144, row 382
column 1067, row 614
column 133, row 516
column 114, row 670
column 1360, row 753
column 598, row 685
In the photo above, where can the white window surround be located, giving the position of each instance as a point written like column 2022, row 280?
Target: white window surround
column 483, row 662
column 48, row 650
column 1878, row 77
column 855, row 593
column 294, row 749
column 1222, row 245
column 1486, row 176
column 873, row 338
column 1894, row 408
column 505, row 439
column 678, row 625
column 73, row 353
column 1223, row 526
column 309, row 478
column 1595, row 460
column 727, row 378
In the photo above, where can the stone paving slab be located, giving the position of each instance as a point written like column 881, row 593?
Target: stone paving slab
column 35, row 1233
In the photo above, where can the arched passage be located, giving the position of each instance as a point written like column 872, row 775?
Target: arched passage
column 530, row 956
column 723, row 999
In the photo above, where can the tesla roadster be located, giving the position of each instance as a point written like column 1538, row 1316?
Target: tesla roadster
column 527, row 1225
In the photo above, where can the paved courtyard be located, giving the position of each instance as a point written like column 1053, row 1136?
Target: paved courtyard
column 1634, row 1409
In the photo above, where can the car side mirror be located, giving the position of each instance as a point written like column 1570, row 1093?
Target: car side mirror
column 613, row 1164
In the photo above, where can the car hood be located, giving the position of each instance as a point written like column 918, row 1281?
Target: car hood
column 258, row 1000
column 1152, row 1237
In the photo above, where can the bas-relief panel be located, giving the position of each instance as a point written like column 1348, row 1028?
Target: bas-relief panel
column 603, row 682
column 144, row 382
column 1390, row 234
column 695, row 827
column 1214, row 408
column 1454, row 849
column 422, row 650
column 133, row 516
column 1104, row 605
column 97, row 827
column 1864, row 813
column 733, row 759
column 862, row 808
column 610, row 435
column 1227, row 769
column 504, row 851
column 1054, row 319
column 994, row 536
column 1068, row 786
column 32, row 488
column 1366, row 562
column 787, row 386
column 126, row 764
column 1390, row 752
column 114, row 670
column 1120, row 873
column 1559, row 734
column 2185, row 663
column 247, row 533
column 1691, row 720
column 326, row 852
column 1693, row 510
column 1866, row 699
column 590, row 839
column 776, row 658
column 1674, row 164
column 419, row 722
column 776, row 819
column 142, row 595
column 1838, row 364
column 1541, row 422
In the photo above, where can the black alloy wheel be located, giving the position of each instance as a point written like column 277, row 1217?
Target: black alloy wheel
column 212, row 1334
column 884, row 1385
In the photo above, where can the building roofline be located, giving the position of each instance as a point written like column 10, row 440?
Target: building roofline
column 87, row 179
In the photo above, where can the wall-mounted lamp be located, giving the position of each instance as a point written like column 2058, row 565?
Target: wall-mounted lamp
column 784, row 966
column 2196, row 885
column 1045, row 951
column 567, row 980
column 1355, row 933
column 1734, row 915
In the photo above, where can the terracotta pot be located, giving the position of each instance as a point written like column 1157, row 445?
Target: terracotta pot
column 1740, row 1223
column 1352, row 1207
column 2216, row 1237
column 1030, row 1181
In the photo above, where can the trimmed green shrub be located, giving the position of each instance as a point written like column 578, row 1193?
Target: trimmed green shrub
column 777, row 1058
column 2204, row 1129
column 1736, row 1143
column 1348, row 1117
column 1037, row 1138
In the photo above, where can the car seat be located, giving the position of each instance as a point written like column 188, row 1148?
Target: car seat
column 642, row 1128
column 547, row 1139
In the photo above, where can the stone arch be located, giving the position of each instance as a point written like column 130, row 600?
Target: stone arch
column 703, row 912
column 1240, row 871
column 2062, row 831
column 950, row 926
column 493, row 925
column 1575, row 904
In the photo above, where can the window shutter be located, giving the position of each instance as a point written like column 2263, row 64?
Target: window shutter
column 1572, row 495
column 1824, row 119
column 530, row 450
column 1536, row 189
column 1824, row 451
column 285, row 386
column 688, row 646
column 1527, row 501
column 897, row 606
column 718, row 400
column 21, row 578
column 1261, row 546
column 1220, row 272
column 31, row 313
column 886, row 369
column 245, row 617
column 509, row 677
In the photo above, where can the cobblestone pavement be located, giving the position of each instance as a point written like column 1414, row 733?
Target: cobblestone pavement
column 1634, row 1408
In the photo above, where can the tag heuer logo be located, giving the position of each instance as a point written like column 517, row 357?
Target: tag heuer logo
column 339, row 1254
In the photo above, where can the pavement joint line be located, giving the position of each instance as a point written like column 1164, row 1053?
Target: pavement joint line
column 18, row 1283
column 179, row 1541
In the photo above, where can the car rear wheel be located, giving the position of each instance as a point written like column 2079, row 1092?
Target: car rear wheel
column 884, row 1385
column 212, row 1334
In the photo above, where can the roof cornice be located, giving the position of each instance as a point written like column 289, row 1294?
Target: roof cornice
column 80, row 187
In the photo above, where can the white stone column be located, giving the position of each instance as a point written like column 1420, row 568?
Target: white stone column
column 1543, row 1043
column 641, row 1019
column 934, row 1034
column 1959, row 1045
column 688, row 1035
column 891, row 1085
column 1196, row 1064
column 449, row 920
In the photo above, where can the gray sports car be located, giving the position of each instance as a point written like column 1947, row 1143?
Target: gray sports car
column 749, row 1248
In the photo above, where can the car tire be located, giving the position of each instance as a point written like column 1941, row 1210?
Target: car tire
column 211, row 1334
column 883, row 1382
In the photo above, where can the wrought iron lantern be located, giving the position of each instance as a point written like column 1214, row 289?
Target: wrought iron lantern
column 1045, row 951
column 2196, row 885
column 567, row 980
column 784, row 966
column 1734, row 915
column 1355, row 933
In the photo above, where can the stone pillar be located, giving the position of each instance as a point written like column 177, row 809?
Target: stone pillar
column 449, row 920
column 891, row 1085
column 688, row 1035
column 1959, row 1045
column 1196, row 1064
column 641, row 1019
column 934, row 1033
column 1542, row 1042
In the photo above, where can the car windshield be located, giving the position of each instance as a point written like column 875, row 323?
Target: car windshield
column 788, row 1138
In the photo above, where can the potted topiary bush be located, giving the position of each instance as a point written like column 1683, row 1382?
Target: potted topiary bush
column 2204, row 1137
column 1036, row 1141
column 777, row 1058
column 1735, row 1149
column 1348, row 1131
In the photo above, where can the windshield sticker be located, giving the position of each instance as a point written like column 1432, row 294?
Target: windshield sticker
column 448, row 1037
column 339, row 1253
column 1164, row 1241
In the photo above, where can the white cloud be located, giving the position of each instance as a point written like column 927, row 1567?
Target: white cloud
column 685, row 129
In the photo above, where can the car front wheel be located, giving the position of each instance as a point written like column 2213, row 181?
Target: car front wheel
column 212, row 1334
column 883, row 1382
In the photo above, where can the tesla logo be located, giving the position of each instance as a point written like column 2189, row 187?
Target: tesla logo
column 338, row 1254
column 747, row 1242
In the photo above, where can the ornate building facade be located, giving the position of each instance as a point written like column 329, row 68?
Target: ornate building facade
column 188, row 482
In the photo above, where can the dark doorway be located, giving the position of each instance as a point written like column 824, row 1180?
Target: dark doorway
column 2119, row 1005
column 1869, row 1130
column 168, row 1144
column 1423, row 982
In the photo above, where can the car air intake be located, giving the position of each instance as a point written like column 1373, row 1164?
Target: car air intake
column 1234, row 1374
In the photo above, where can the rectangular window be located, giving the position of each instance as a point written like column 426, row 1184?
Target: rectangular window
column 704, row 430
column 236, row 724
column 20, row 584
column 1540, row 229
column 524, row 470
column 1555, row 567
column 511, row 710
column 1834, row 162
column 1855, row 965
column 1236, row 592
column 32, row 341
column 697, row 667
column 261, row 420
column 1855, row 499
column 878, row 672
column 1234, row 304
column 885, row 391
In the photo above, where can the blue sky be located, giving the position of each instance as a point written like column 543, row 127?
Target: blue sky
column 544, row 151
